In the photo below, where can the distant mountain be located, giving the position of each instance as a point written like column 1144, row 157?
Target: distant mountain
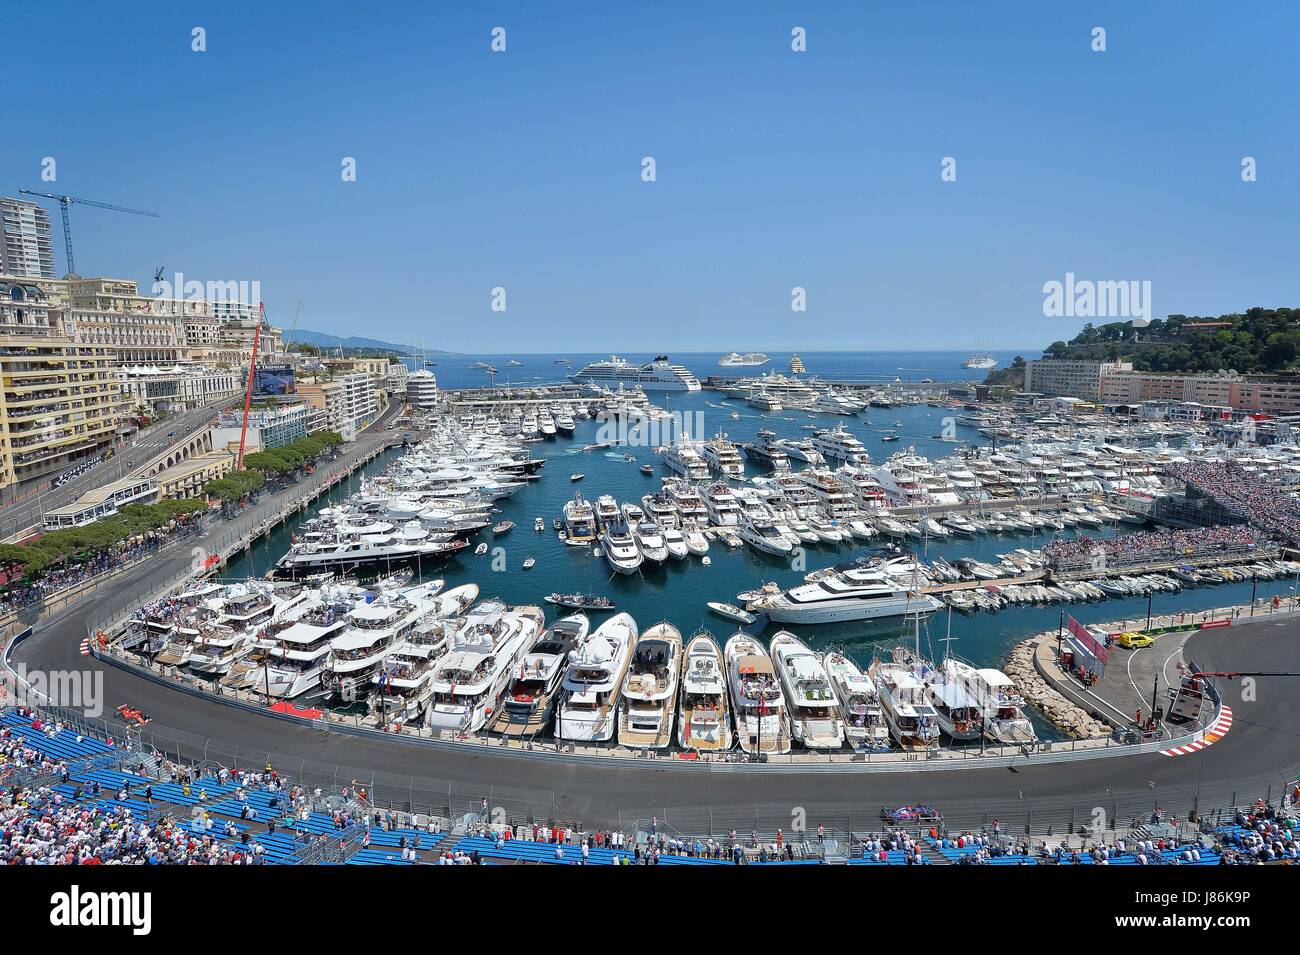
column 304, row 336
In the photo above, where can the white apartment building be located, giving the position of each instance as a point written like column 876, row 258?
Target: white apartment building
column 179, row 387
column 1069, row 379
column 26, row 249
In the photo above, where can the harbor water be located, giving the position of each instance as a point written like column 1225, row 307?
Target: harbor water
column 678, row 591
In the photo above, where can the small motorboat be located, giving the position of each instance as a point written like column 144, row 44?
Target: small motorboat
column 502, row 527
column 539, row 525
column 580, row 601
column 889, row 436
column 576, row 477
column 731, row 612
column 647, row 469
column 480, row 550
column 557, row 524
column 529, row 562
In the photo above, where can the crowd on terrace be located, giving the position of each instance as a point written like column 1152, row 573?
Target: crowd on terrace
column 1079, row 553
column 1266, row 505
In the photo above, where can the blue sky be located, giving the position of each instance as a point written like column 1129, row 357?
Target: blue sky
column 775, row 169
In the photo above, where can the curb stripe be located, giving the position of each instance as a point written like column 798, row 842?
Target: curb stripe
column 1212, row 735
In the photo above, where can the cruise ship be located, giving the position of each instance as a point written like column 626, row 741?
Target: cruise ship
column 982, row 360
column 751, row 359
column 656, row 375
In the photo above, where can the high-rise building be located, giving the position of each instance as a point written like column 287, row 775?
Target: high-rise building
column 26, row 248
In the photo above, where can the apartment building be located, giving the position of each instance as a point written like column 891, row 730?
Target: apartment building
column 347, row 400
column 60, row 401
column 1069, row 379
column 270, row 427
column 397, row 375
column 1266, row 395
column 26, row 249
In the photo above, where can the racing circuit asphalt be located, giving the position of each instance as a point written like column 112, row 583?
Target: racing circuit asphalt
column 1258, row 756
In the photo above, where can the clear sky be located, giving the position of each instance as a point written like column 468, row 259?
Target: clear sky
column 775, row 169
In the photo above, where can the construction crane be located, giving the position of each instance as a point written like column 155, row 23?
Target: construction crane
column 66, row 201
column 293, row 328
column 248, row 394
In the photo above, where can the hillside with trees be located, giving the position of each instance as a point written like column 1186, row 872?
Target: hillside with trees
column 1257, row 341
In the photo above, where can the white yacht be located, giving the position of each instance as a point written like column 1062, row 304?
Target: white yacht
column 765, row 402
column 650, row 541
column 696, row 542
column 588, row 710
column 687, row 500
column 529, row 703
column 579, row 520
column 703, row 717
column 684, row 458
column 374, row 627
column 294, row 646
column 757, row 702
column 649, row 697
column 764, row 450
column 859, row 701
column 955, row 706
column 762, row 534
column 607, row 512
column 403, row 683
column 838, row 444
column 656, row 375
column 855, row 594
column 660, row 509
column 815, row 720
column 721, row 455
column 721, row 504
column 619, row 548
column 799, row 449
column 482, row 659
column 675, row 542
column 912, row 720
column 999, row 701
column 227, row 636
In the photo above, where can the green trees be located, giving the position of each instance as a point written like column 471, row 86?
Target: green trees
column 1257, row 341
column 133, row 520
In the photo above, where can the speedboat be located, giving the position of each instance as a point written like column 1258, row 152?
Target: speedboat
column 675, row 542
column 650, row 541
column 731, row 612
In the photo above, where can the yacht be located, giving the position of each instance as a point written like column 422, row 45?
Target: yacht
column 660, row 509
column 228, row 634
column 838, row 444
column 346, row 550
column 675, row 542
column 687, row 500
column 757, row 702
column 295, row 645
column 620, row 549
column 607, row 511
column 403, row 684
column 912, row 720
column 855, row 594
column 684, row 458
column 751, row 359
column 703, row 716
column 815, row 720
column 650, row 690
column 656, row 375
column 955, row 707
column 721, row 504
column 650, row 541
column 588, row 710
column 482, row 660
column 696, row 542
column 579, row 520
column 999, row 701
column 762, row 534
column 564, row 423
column 799, row 449
column 765, row 402
column 859, row 701
column 765, row 451
column 791, row 392
column 375, row 624
column 529, row 703
column 721, row 455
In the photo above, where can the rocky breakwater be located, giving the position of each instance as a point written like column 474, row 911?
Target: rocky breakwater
column 1068, row 718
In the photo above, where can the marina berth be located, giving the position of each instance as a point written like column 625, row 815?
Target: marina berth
column 649, row 699
column 589, row 704
column 815, row 719
column 704, row 716
column 758, row 705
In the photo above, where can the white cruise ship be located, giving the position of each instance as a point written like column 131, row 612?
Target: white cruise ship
column 656, row 375
column 858, row 594
column 982, row 360
column 751, row 359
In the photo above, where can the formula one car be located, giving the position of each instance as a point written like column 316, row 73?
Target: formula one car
column 907, row 814
column 132, row 716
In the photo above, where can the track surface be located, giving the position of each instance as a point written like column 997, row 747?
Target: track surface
column 1259, row 756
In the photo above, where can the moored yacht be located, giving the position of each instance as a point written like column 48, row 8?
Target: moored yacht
column 703, row 718
column 859, row 701
column 588, row 708
column 649, row 697
column 484, row 653
column 529, row 703
column 815, row 720
column 619, row 548
column 757, row 702
column 910, row 716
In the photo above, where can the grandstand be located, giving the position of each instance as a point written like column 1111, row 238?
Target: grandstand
column 69, row 797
